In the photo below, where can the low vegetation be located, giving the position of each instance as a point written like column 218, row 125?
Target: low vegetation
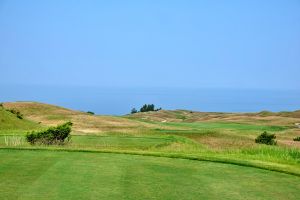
column 297, row 138
column 14, row 140
column 53, row 135
column 266, row 138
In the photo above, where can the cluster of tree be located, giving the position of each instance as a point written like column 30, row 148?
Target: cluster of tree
column 53, row 135
column 145, row 108
column 90, row 112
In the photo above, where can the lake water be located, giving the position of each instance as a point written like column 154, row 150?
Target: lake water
column 119, row 101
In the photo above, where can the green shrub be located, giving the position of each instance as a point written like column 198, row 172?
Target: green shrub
column 266, row 138
column 90, row 112
column 53, row 135
column 297, row 138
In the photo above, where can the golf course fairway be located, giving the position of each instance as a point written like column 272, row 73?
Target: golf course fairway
column 26, row 174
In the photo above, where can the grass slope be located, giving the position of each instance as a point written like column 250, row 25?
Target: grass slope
column 10, row 124
column 84, row 123
column 78, row 175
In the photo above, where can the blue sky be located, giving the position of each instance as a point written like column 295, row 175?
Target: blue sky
column 187, row 44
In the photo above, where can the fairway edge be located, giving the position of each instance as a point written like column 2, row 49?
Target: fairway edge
column 287, row 169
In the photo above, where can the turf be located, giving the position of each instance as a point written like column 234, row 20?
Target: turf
column 124, row 142
column 227, row 125
column 98, row 142
column 78, row 175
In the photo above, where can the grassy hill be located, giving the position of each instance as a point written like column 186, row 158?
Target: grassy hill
column 11, row 124
column 263, row 118
column 225, row 130
column 211, row 129
column 84, row 123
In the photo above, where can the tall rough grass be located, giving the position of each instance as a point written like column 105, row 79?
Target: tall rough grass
column 272, row 153
column 13, row 140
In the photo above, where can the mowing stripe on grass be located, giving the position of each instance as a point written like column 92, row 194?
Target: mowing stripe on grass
column 287, row 169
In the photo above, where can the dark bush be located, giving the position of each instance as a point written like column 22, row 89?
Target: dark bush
column 53, row 135
column 297, row 138
column 90, row 112
column 266, row 138
column 17, row 113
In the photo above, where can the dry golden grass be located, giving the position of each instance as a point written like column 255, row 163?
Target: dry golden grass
column 83, row 123
column 281, row 119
